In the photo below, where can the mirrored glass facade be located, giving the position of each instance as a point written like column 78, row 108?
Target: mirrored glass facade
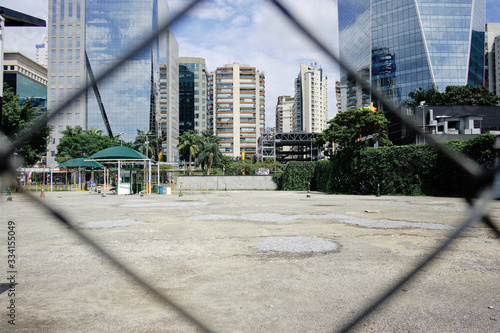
column 402, row 45
column 128, row 97
column 104, row 31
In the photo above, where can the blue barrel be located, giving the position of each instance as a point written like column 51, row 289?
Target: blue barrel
column 160, row 189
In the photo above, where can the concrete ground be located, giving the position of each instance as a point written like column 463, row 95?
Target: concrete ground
column 209, row 253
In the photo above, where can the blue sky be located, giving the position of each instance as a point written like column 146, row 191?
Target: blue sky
column 227, row 31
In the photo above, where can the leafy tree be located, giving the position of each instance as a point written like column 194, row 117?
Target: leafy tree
column 17, row 119
column 209, row 151
column 77, row 142
column 453, row 95
column 189, row 143
column 349, row 126
column 431, row 96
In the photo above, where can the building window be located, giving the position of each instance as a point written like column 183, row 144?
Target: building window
column 68, row 115
column 52, row 153
column 70, row 41
column 54, row 28
column 54, row 11
column 61, row 128
column 70, row 10
column 62, row 11
column 61, row 115
column 77, row 10
column 77, row 115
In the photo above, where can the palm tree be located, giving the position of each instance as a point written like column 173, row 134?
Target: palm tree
column 189, row 143
column 143, row 145
column 210, row 152
column 72, row 131
column 94, row 131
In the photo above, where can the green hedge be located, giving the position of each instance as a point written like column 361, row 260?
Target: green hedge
column 296, row 176
column 399, row 170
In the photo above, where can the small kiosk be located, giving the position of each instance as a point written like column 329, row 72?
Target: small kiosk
column 122, row 156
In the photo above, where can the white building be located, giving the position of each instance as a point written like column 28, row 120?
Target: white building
column 284, row 114
column 239, row 108
column 310, row 110
column 42, row 56
column 169, row 101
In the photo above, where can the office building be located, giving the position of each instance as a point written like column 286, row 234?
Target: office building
column 192, row 95
column 42, row 56
column 310, row 109
column 87, row 36
column 238, row 108
column 399, row 46
column 27, row 79
column 493, row 57
column 169, row 101
column 284, row 114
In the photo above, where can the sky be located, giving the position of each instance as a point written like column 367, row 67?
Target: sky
column 227, row 31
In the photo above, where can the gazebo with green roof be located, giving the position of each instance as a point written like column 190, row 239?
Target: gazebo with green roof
column 78, row 163
column 119, row 155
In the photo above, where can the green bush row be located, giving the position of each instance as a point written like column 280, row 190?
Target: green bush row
column 396, row 170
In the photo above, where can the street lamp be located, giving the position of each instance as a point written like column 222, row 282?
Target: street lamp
column 422, row 105
column 120, row 134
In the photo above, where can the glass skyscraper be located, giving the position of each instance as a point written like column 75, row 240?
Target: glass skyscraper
column 399, row 46
column 102, row 31
column 192, row 95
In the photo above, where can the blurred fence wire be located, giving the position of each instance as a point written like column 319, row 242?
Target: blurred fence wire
column 479, row 185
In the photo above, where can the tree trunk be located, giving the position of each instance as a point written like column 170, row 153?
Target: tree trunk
column 189, row 168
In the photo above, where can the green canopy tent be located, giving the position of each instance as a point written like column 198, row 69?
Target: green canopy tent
column 78, row 163
column 120, row 154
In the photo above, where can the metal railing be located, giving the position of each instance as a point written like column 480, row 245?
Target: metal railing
column 479, row 186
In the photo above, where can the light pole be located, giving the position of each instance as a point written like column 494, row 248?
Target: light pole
column 120, row 134
column 422, row 105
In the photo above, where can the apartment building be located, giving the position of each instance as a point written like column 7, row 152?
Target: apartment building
column 238, row 108
column 284, row 114
column 310, row 109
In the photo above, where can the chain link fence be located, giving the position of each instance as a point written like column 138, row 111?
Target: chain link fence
column 480, row 192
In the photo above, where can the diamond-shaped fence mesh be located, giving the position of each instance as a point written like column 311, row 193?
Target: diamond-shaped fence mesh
column 480, row 193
